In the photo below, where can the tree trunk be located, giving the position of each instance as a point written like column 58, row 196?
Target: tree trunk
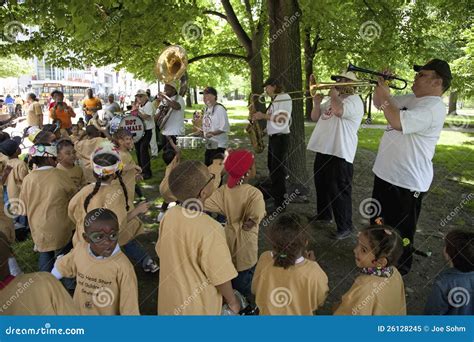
column 189, row 103
column 285, row 64
column 195, row 94
column 308, row 70
column 453, row 102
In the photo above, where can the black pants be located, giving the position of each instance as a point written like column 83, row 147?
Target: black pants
column 210, row 154
column 276, row 163
column 333, row 181
column 400, row 209
column 165, row 144
column 142, row 147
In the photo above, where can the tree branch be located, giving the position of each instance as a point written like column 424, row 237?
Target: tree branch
column 219, row 14
column 216, row 54
column 237, row 27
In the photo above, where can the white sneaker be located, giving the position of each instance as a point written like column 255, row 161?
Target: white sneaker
column 160, row 216
column 151, row 266
column 15, row 269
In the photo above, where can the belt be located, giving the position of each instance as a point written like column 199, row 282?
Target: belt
column 277, row 134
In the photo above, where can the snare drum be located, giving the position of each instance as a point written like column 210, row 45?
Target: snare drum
column 133, row 124
column 189, row 143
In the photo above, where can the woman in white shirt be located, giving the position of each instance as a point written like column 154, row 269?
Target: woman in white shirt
column 142, row 147
column 278, row 116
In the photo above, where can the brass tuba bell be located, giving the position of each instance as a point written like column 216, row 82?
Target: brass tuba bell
column 171, row 64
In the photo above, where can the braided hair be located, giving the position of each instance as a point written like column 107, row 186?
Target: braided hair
column 288, row 238
column 106, row 160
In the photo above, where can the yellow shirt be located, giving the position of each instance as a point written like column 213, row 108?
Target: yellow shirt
column 84, row 150
column 105, row 286
column 110, row 197
column 128, row 175
column 76, row 173
column 164, row 185
column 36, row 294
column 194, row 258
column 45, row 194
column 91, row 103
column 238, row 204
column 6, row 223
column 15, row 178
column 298, row 290
column 372, row 295
column 33, row 113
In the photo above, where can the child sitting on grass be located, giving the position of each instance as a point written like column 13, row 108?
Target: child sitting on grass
column 379, row 290
column 106, row 280
column 194, row 258
column 453, row 288
column 288, row 280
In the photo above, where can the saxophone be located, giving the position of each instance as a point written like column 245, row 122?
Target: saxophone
column 255, row 131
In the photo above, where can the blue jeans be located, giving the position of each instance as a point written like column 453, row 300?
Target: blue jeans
column 20, row 220
column 243, row 282
column 46, row 262
column 136, row 252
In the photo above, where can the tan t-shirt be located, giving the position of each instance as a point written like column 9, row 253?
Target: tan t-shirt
column 164, row 185
column 110, row 197
column 298, row 290
column 105, row 286
column 216, row 169
column 239, row 204
column 45, row 194
column 34, row 111
column 84, row 150
column 6, row 223
column 76, row 173
column 373, row 295
column 36, row 294
column 15, row 178
column 128, row 175
column 194, row 258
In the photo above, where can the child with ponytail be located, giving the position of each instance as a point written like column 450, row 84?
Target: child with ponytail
column 106, row 193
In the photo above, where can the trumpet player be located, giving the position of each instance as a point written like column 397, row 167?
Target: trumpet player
column 334, row 140
column 278, row 118
column 403, row 168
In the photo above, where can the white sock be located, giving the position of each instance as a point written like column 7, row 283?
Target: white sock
column 15, row 269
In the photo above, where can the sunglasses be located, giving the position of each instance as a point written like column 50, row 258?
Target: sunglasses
column 99, row 237
column 213, row 176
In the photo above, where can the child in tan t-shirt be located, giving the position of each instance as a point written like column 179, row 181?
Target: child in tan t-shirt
column 379, row 290
column 288, row 280
column 76, row 133
column 131, row 172
column 243, row 206
column 106, row 280
column 44, row 196
column 85, row 147
column 67, row 162
column 194, row 258
column 33, row 293
column 106, row 193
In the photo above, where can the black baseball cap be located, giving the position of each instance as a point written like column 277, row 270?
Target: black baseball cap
column 209, row 90
column 440, row 67
column 270, row 81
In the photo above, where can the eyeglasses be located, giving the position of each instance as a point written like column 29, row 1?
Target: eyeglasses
column 99, row 237
column 213, row 176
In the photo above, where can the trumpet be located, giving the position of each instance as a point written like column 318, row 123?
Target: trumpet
column 316, row 88
column 352, row 67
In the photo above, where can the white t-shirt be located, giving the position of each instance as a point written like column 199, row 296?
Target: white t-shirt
column 404, row 157
column 215, row 119
column 175, row 123
column 148, row 110
column 281, row 103
column 337, row 136
column 112, row 107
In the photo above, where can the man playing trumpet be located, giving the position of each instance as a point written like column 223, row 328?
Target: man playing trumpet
column 334, row 140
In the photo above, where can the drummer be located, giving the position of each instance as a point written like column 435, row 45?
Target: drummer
column 174, row 126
